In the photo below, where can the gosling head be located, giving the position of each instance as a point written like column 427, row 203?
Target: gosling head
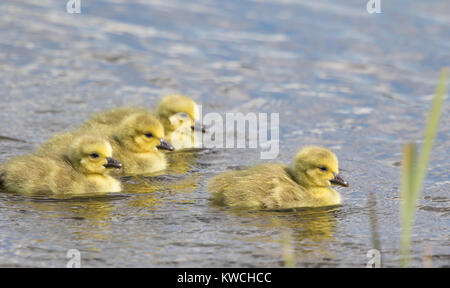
column 92, row 155
column 143, row 133
column 176, row 111
column 317, row 167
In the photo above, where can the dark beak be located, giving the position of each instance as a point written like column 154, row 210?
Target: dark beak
column 339, row 181
column 198, row 127
column 113, row 163
column 165, row 145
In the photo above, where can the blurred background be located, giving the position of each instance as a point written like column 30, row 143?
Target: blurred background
column 358, row 83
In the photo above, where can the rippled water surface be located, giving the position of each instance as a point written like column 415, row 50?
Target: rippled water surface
column 357, row 83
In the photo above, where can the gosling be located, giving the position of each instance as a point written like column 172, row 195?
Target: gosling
column 276, row 186
column 136, row 142
column 83, row 169
column 179, row 115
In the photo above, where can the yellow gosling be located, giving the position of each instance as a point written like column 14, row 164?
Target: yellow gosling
column 179, row 115
column 81, row 169
column 136, row 143
column 307, row 183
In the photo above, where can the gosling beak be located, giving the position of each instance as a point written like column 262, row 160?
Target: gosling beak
column 165, row 145
column 198, row 127
column 113, row 163
column 339, row 181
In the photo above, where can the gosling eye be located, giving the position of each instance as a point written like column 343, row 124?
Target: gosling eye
column 95, row 155
column 183, row 115
column 323, row 168
column 148, row 135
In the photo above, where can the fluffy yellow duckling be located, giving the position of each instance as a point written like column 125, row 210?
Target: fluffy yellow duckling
column 178, row 114
column 83, row 169
column 276, row 186
column 136, row 142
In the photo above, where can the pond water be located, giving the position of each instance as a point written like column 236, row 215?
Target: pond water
column 358, row 83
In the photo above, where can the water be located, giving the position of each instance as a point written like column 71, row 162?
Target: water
column 357, row 83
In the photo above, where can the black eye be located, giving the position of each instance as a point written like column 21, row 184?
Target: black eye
column 148, row 135
column 94, row 155
column 323, row 168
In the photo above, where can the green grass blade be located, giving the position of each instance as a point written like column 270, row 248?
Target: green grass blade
column 414, row 170
column 288, row 253
column 430, row 134
column 407, row 204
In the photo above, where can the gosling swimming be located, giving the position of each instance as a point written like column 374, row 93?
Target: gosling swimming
column 179, row 115
column 81, row 169
column 136, row 142
column 307, row 183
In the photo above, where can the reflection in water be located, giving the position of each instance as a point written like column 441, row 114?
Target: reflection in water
column 152, row 191
column 310, row 229
column 183, row 161
column 375, row 237
column 97, row 211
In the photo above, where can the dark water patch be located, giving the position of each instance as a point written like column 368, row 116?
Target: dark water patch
column 6, row 138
